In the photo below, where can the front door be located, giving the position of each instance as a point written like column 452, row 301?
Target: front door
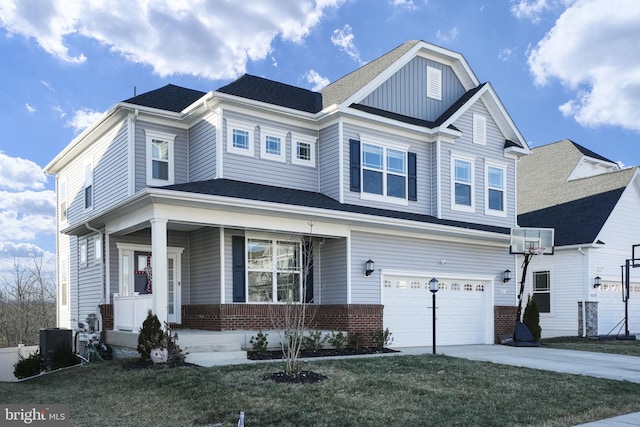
column 174, row 307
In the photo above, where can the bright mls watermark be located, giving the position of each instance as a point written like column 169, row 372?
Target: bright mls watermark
column 34, row 415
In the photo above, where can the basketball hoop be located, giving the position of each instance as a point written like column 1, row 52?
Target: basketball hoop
column 536, row 250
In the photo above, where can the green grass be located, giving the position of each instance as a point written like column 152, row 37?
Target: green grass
column 627, row 348
column 384, row 391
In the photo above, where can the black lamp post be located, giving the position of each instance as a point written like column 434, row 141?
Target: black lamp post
column 433, row 287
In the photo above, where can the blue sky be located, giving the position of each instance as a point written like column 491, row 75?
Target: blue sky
column 562, row 68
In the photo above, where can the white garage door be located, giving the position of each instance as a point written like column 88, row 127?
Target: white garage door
column 464, row 314
column 611, row 309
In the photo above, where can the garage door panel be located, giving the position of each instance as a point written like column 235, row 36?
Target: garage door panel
column 611, row 308
column 461, row 311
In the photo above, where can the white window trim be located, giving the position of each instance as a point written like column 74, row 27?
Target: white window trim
column 245, row 126
column 83, row 253
column 97, row 249
column 266, row 131
column 295, row 139
column 434, row 83
column 88, row 182
column 487, row 209
column 385, row 144
column 271, row 238
column 152, row 135
column 479, row 129
column 551, row 286
column 64, row 219
column 454, row 205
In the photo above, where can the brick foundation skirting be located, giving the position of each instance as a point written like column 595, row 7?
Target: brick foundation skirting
column 504, row 320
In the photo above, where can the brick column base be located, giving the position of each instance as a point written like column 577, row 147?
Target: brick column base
column 504, row 321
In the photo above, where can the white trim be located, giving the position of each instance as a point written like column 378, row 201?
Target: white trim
column 487, row 209
column 152, row 136
column 97, row 248
column 303, row 139
column 341, row 166
column 83, row 253
column 223, row 281
column 454, row 205
column 479, row 129
column 265, row 132
column 377, row 142
column 245, row 127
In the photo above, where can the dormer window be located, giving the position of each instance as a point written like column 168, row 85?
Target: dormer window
column 240, row 138
column 160, row 163
column 303, row 150
column 272, row 144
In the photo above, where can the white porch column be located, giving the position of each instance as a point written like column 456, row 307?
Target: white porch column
column 159, row 268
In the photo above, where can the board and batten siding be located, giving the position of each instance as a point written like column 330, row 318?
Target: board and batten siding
column 205, row 266
column 180, row 152
column 423, row 152
column 491, row 153
column 202, row 149
column 332, row 275
column 253, row 168
column 329, row 161
column 405, row 92
column 433, row 257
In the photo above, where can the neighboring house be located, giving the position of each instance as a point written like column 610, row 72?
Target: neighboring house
column 195, row 204
column 593, row 205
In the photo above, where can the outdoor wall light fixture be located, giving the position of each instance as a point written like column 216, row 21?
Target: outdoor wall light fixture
column 368, row 268
column 506, row 276
column 597, row 281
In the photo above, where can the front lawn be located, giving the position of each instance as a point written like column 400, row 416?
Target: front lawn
column 422, row 390
column 625, row 347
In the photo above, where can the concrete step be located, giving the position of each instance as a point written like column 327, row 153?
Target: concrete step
column 215, row 358
column 208, row 348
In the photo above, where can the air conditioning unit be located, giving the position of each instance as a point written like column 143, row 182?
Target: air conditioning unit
column 52, row 340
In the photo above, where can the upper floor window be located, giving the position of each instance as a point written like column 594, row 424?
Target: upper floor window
column 384, row 171
column 160, row 163
column 542, row 290
column 479, row 129
column 97, row 248
column 303, row 151
column 463, row 185
column 495, row 178
column 88, row 186
column 272, row 144
column 434, row 83
column 83, row 253
column 240, row 138
column 62, row 200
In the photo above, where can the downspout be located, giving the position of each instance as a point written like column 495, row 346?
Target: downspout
column 585, row 293
column 101, row 270
column 438, row 181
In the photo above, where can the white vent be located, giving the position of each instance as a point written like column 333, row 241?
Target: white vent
column 434, row 83
column 479, row 129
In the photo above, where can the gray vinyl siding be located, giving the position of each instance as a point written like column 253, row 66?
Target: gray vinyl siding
column 421, row 255
column 492, row 152
column 329, row 159
column 108, row 157
column 264, row 171
column 424, row 151
column 406, row 91
column 205, row 266
column 180, row 152
column 90, row 285
column 332, row 274
column 202, row 149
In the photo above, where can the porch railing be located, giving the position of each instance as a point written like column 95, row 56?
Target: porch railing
column 130, row 311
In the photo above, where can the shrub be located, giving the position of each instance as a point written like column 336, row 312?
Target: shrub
column 28, row 367
column 152, row 336
column 356, row 340
column 314, row 341
column 337, row 340
column 531, row 318
column 260, row 343
column 381, row 338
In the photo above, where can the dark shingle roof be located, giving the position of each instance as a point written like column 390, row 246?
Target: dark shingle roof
column 576, row 222
column 169, row 97
column 590, row 153
column 272, row 92
column 287, row 196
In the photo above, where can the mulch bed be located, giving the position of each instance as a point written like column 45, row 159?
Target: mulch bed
column 303, row 377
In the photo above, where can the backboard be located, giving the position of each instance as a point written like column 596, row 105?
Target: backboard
column 526, row 240
column 635, row 256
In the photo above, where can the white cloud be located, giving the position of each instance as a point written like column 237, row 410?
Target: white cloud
column 82, row 119
column 593, row 51
column 447, row 36
column 59, row 110
column 505, row 54
column 30, row 108
column 20, row 174
column 406, row 4
column 161, row 33
column 531, row 9
column 343, row 38
column 318, row 81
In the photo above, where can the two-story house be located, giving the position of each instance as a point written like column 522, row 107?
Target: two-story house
column 592, row 203
column 201, row 206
